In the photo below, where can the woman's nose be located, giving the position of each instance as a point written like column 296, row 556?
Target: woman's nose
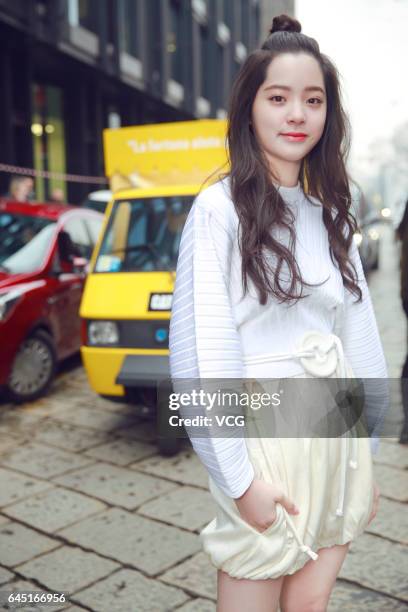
column 296, row 113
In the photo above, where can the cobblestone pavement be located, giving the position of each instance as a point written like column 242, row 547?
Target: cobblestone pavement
column 88, row 507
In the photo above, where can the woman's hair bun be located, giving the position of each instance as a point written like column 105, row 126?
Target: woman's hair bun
column 284, row 23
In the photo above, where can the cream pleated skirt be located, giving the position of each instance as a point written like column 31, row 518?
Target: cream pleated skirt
column 329, row 479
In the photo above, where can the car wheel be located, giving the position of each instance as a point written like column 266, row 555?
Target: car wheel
column 33, row 368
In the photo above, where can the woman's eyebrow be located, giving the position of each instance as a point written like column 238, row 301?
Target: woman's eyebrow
column 310, row 88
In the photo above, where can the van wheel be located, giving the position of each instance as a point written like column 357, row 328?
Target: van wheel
column 33, row 368
column 169, row 446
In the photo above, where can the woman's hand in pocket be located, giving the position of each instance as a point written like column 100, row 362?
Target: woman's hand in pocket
column 257, row 505
column 376, row 500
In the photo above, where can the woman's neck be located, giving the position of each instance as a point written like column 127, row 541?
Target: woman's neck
column 285, row 173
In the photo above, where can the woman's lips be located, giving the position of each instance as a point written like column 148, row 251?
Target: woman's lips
column 294, row 138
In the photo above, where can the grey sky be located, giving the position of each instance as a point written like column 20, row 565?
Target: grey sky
column 367, row 40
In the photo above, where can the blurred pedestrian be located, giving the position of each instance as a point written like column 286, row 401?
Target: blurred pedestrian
column 57, row 196
column 20, row 188
column 402, row 235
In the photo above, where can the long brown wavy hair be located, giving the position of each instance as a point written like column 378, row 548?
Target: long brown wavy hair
column 322, row 173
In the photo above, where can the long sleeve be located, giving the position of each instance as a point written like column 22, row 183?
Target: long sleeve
column 363, row 348
column 204, row 342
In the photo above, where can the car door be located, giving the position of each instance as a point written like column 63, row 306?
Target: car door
column 74, row 280
column 59, row 284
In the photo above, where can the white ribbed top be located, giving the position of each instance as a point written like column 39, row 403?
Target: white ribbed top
column 214, row 329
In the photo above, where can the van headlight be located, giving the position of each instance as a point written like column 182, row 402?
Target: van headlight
column 103, row 333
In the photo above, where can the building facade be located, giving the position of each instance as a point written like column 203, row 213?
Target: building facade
column 70, row 68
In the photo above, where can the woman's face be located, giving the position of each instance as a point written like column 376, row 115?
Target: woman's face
column 297, row 105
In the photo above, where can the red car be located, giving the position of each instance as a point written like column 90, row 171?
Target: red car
column 44, row 252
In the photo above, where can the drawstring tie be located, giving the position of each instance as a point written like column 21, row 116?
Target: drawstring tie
column 303, row 547
column 341, row 369
column 321, row 355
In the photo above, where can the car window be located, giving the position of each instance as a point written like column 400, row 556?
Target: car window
column 24, row 242
column 79, row 237
column 94, row 226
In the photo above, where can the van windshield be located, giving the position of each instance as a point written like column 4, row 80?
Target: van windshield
column 143, row 235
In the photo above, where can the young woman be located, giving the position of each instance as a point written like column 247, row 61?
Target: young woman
column 287, row 508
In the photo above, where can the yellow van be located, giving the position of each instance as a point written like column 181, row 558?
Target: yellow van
column 126, row 303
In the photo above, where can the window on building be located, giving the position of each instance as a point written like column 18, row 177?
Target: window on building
column 220, row 87
column 111, row 13
column 129, row 17
column 226, row 11
column 154, row 42
column 175, row 41
column 244, row 33
column 241, row 21
column 257, row 25
column 48, row 136
column 237, row 19
column 87, row 14
column 236, row 66
column 206, row 69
